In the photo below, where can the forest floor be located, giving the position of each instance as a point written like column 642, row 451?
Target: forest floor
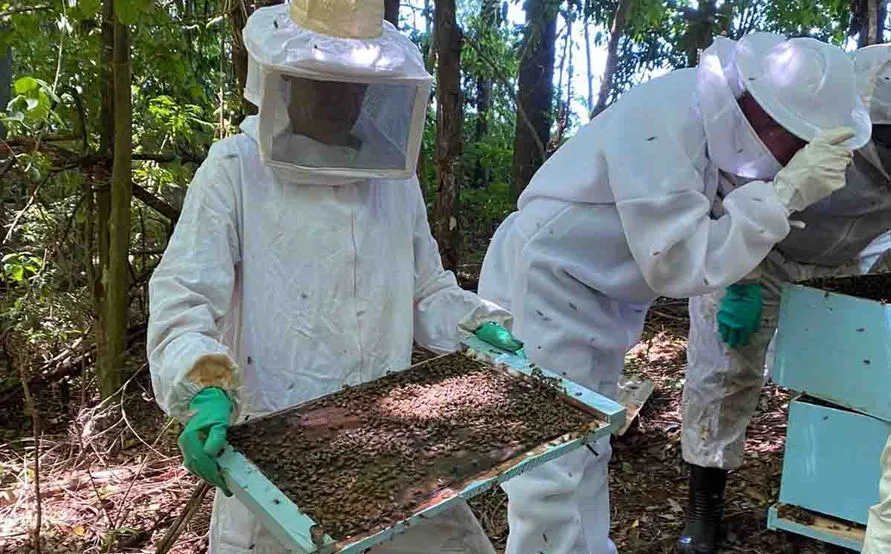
column 111, row 479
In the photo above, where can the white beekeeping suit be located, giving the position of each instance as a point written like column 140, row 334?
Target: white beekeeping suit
column 303, row 259
column 878, row 527
column 845, row 234
column 723, row 384
column 621, row 214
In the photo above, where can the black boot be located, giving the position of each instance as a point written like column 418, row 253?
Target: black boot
column 705, row 511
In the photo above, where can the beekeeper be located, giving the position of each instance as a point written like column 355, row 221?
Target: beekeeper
column 730, row 330
column 303, row 261
column 622, row 213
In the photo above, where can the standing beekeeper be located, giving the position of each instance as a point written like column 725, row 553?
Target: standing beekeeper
column 730, row 330
column 622, row 213
column 303, row 261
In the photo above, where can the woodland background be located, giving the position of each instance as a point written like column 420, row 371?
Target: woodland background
column 108, row 107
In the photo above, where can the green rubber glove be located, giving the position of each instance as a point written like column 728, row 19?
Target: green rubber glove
column 499, row 337
column 739, row 314
column 204, row 435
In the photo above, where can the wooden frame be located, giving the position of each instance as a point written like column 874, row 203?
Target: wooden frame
column 819, row 527
column 299, row 533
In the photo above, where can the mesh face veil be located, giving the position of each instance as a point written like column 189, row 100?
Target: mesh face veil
column 335, row 106
column 873, row 67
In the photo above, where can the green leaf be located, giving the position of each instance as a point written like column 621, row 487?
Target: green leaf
column 89, row 8
column 16, row 116
column 25, row 85
column 128, row 11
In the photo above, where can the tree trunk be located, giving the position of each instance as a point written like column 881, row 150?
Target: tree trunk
column 564, row 101
column 700, row 27
column 489, row 19
column 116, row 278
column 237, row 18
column 239, row 12
column 590, row 73
column 430, row 54
column 565, row 111
column 561, row 114
column 101, row 184
column 612, row 60
column 535, row 91
column 391, row 12
column 570, row 76
column 448, row 131
column 869, row 21
column 5, row 82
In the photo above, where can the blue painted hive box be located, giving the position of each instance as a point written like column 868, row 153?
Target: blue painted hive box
column 833, row 345
column 831, row 464
column 299, row 532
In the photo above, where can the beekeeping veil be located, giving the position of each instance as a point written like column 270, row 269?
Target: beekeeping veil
column 342, row 94
column 805, row 85
column 873, row 67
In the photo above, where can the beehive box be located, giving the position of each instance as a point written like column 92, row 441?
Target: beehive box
column 834, row 346
column 350, row 470
column 831, row 464
column 834, row 342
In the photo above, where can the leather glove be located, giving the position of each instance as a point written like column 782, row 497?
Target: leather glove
column 204, row 435
column 816, row 171
column 499, row 337
column 739, row 314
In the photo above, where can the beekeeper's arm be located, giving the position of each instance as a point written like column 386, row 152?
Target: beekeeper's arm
column 192, row 288
column 679, row 248
column 444, row 312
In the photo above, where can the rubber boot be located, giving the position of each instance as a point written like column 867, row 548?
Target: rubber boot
column 705, row 511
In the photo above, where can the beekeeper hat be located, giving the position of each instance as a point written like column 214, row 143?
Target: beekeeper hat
column 873, row 67
column 340, row 47
column 340, row 18
column 805, row 85
column 287, row 37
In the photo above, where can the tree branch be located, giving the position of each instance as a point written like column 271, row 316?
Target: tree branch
column 155, row 203
column 31, row 409
column 69, row 362
column 616, row 31
column 184, row 517
column 16, row 11
column 19, row 215
column 168, row 158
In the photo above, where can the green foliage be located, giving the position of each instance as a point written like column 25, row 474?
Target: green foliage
column 823, row 19
column 182, row 80
column 183, row 98
column 172, row 123
column 481, row 211
column 659, row 34
column 19, row 267
column 87, row 9
column 129, row 12
column 31, row 107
